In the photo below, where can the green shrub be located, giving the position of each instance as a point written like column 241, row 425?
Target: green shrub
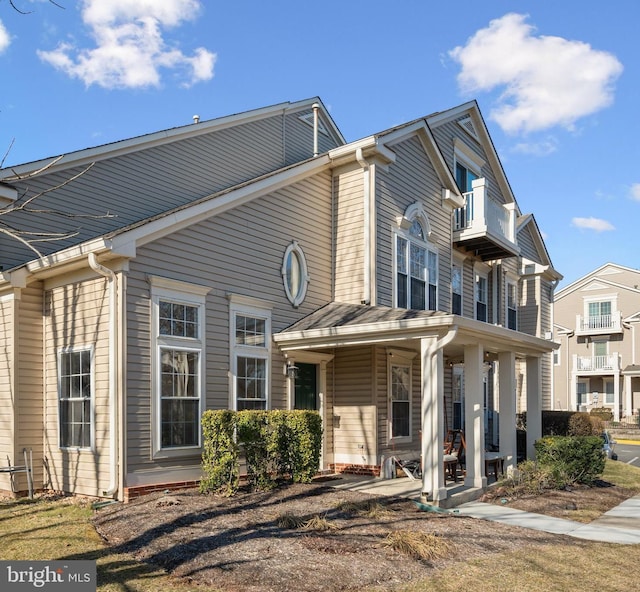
column 571, row 459
column 276, row 444
column 220, row 453
column 253, row 437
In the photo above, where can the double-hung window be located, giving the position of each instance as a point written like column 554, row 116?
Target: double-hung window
column 250, row 353
column 399, row 369
column 75, row 390
column 481, row 298
column 456, row 290
column 178, row 330
column 512, row 306
column 416, row 271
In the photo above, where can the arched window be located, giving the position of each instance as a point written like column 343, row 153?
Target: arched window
column 416, row 262
column 295, row 276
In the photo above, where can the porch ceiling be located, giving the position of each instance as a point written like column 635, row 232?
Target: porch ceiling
column 340, row 325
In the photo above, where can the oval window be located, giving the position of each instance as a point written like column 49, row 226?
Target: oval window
column 294, row 274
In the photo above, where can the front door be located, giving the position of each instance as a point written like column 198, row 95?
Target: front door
column 306, row 387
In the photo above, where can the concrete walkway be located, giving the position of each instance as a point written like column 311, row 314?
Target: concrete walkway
column 619, row 525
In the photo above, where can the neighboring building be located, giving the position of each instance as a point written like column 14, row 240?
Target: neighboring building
column 596, row 319
column 391, row 283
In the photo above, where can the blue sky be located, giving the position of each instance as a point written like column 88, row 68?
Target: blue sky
column 557, row 82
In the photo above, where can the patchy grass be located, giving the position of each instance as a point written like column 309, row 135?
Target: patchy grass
column 52, row 529
column 622, row 475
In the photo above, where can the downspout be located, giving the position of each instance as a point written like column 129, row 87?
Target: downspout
column 113, row 332
column 366, row 178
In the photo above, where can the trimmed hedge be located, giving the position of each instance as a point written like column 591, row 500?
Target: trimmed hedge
column 276, row 444
column 571, row 459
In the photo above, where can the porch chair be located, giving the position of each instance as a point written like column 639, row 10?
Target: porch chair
column 454, row 454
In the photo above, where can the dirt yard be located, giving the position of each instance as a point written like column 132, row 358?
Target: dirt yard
column 307, row 538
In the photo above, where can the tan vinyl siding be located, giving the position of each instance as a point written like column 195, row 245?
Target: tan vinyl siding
column 528, row 314
column 349, row 235
column 239, row 252
column 528, row 248
column 30, row 410
column 77, row 315
column 354, row 429
column 468, row 290
column 411, row 179
column 7, row 393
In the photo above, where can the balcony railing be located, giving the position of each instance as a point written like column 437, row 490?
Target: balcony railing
column 485, row 225
column 600, row 324
column 606, row 364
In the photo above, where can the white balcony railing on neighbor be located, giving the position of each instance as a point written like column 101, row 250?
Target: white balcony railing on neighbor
column 607, row 363
column 600, row 323
column 480, row 213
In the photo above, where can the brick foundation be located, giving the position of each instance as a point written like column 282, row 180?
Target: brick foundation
column 351, row 469
column 134, row 492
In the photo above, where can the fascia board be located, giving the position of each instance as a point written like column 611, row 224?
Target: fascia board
column 192, row 130
column 470, row 330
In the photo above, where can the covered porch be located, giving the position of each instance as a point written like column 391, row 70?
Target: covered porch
column 358, row 404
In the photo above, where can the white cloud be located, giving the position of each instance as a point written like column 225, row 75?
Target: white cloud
column 635, row 192
column 545, row 81
column 5, row 38
column 541, row 148
column 131, row 49
column 593, row 224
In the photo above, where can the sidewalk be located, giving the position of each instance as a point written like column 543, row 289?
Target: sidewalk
column 619, row 525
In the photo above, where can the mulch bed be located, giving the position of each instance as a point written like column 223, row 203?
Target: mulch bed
column 244, row 543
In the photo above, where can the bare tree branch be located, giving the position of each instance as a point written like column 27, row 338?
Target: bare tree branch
column 24, row 204
column 7, row 152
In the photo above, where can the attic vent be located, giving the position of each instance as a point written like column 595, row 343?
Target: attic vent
column 467, row 125
column 308, row 119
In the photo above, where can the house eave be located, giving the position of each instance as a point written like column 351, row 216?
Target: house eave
column 492, row 337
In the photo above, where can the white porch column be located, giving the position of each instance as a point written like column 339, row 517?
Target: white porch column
column 507, row 409
column 474, row 416
column 627, row 395
column 616, row 396
column 534, row 404
column 432, row 415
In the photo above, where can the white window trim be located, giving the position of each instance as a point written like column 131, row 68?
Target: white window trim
column 295, row 299
column 613, row 298
column 190, row 295
column 397, row 357
column 415, row 212
column 485, row 276
column 92, row 403
column 511, row 282
column 460, row 267
column 251, row 307
column 469, row 159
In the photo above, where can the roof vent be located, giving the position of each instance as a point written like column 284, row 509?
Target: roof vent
column 196, row 119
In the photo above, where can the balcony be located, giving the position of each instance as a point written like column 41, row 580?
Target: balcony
column 485, row 226
column 608, row 364
column 608, row 324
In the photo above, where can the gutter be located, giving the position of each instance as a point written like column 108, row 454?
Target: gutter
column 113, row 333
